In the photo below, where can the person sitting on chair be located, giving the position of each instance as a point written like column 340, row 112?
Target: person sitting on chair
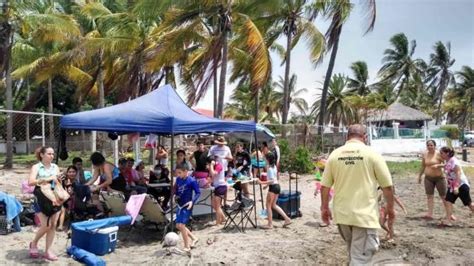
column 160, row 174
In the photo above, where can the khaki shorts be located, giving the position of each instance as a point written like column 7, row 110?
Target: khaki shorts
column 362, row 243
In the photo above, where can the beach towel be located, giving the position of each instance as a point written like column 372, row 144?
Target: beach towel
column 85, row 257
column 134, row 205
column 26, row 188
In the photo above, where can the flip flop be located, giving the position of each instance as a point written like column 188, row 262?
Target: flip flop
column 266, row 227
column 323, row 225
column 34, row 253
column 285, row 225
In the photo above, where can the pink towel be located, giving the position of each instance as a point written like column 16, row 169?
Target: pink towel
column 25, row 188
column 134, row 205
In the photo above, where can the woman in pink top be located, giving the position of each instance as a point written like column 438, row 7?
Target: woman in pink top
column 458, row 185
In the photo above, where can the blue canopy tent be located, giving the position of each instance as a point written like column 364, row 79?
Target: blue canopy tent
column 160, row 112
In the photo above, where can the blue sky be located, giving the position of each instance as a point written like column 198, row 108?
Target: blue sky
column 426, row 21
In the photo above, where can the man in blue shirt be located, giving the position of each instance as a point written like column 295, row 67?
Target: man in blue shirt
column 184, row 187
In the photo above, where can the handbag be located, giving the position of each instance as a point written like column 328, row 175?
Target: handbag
column 45, row 204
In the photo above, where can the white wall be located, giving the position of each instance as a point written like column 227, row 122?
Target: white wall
column 405, row 146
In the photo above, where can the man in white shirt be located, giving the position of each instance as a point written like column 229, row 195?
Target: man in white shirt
column 221, row 152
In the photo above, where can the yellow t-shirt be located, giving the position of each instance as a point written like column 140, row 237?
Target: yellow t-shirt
column 356, row 171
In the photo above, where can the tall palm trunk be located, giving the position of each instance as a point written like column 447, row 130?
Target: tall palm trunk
column 286, row 93
column 327, row 79
column 100, row 80
column 223, row 74
column 50, row 110
column 27, row 124
column 215, row 91
column 442, row 88
column 9, row 104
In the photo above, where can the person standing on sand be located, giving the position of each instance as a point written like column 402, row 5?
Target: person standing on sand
column 458, row 184
column 356, row 171
column 433, row 176
column 45, row 172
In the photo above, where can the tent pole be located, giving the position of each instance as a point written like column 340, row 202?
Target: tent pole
column 253, row 185
column 172, row 180
column 116, row 150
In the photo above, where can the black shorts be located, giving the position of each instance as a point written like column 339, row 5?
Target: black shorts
column 220, row 191
column 275, row 189
column 463, row 195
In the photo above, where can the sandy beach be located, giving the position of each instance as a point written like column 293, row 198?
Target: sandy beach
column 417, row 241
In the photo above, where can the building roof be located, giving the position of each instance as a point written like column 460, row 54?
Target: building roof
column 398, row 112
column 206, row 112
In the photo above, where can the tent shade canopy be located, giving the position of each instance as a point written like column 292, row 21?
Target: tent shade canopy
column 161, row 112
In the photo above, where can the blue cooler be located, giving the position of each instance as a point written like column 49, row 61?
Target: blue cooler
column 98, row 236
column 99, row 242
column 289, row 203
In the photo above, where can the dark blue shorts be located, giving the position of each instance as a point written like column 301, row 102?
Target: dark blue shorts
column 183, row 215
column 220, row 191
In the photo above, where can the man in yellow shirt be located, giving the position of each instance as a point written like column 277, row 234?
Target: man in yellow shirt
column 356, row 171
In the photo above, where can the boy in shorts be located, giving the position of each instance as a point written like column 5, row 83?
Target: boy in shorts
column 184, row 187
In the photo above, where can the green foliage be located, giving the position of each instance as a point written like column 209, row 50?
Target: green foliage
column 298, row 161
column 404, row 169
column 285, row 153
column 301, row 162
column 452, row 132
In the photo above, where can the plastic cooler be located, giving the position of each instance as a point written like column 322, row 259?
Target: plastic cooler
column 98, row 236
column 289, row 202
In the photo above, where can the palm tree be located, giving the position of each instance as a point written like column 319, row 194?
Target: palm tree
column 289, row 21
column 399, row 67
column 295, row 95
column 339, row 109
column 358, row 83
column 6, row 35
column 439, row 72
column 49, row 32
column 219, row 18
column 338, row 12
column 459, row 102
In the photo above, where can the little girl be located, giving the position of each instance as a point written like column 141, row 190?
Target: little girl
column 273, row 192
column 383, row 215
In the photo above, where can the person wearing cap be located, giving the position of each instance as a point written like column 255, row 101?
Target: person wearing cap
column 356, row 171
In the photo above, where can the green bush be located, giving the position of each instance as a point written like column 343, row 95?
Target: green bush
column 301, row 162
column 285, row 160
column 452, row 132
column 298, row 161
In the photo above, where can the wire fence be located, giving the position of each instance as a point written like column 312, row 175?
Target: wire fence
column 32, row 130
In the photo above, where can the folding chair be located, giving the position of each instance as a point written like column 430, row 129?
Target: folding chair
column 115, row 203
column 239, row 214
column 154, row 214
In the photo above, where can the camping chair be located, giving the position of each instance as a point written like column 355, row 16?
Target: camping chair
column 153, row 213
column 115, row 203
column 241, row 208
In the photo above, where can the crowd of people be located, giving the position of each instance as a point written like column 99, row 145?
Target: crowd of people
column 202, row 168
column 356, row 173
column 355, row 178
